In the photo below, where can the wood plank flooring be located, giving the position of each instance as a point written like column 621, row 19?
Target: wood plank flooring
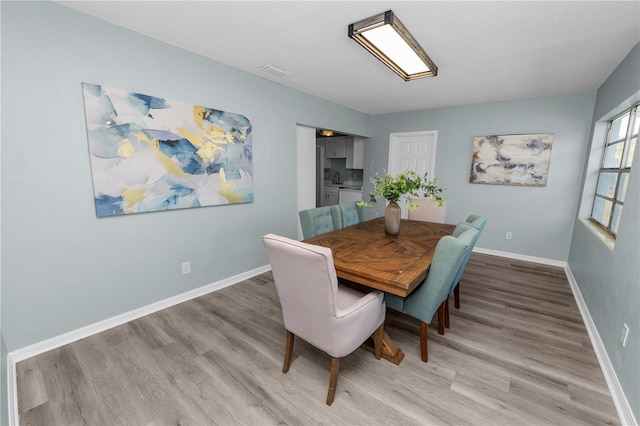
column 517, row 353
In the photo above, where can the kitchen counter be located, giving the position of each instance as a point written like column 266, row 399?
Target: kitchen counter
column 340, row 193
column 345, row 184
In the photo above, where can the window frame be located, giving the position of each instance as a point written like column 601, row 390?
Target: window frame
column 624, row 168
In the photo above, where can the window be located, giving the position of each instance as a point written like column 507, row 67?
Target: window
column 613, row 177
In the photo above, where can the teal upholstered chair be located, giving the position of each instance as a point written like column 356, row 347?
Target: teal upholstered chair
column 478, row 223
column 320, row 220
column 351, row 214
column 433, row 293
column 469, row 235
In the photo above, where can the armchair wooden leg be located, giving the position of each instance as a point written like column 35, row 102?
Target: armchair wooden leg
column 456, row 295
column 333, row 380
column 441, row 319
column 288, row 352
column 423, row 341
column 377, row 341
column 446, row 313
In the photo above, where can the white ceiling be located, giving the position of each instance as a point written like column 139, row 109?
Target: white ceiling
column 484, row 51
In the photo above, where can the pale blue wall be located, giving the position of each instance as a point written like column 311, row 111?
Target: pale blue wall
column 62, row 268
column 610, row 281
column 540, row 218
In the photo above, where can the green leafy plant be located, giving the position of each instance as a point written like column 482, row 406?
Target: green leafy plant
column 405, row 185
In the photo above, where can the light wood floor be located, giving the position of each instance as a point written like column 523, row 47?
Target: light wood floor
column 517, row 353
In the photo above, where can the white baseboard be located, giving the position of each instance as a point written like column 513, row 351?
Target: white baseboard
column 12, row 391
column 617, row 394
column 508, row 255
column 64, row 339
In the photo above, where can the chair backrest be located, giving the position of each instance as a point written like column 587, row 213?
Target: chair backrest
column 461, row 227
column 351, row 214
column 320, row 220
column 428, row 210
column 469, row 235
column 477, row 222
column 307, row 286
column 425, row 300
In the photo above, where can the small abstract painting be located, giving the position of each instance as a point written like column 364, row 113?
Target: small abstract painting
column 149, row 154
column 511, row 159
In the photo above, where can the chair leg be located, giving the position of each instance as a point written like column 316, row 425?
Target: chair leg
column 377, row 341
column 441, row 317
column 423, row 341
column 333, row 380
column 456, row 295
column 446, row 313
column 288, row 352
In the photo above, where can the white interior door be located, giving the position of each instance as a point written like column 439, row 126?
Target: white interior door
column 412, row 151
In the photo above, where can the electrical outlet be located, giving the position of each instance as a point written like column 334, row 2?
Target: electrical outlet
column 186, row 268
column 624, row 334
column 507, row 236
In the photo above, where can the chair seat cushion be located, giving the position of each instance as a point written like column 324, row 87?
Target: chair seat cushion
column 347, row 296
column 394, row 302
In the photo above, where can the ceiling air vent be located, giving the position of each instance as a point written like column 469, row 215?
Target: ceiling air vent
column 274, row 70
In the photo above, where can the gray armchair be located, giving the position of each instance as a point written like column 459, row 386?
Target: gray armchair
column 315, row 307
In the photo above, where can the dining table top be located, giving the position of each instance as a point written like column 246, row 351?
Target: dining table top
column 364, row 254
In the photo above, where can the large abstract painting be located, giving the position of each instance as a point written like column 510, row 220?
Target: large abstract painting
column 511, row 159
column 149, row 154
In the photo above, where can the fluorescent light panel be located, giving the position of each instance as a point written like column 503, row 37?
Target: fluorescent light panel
column 387, row 39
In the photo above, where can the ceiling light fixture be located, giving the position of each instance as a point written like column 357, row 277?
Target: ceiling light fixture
column 387, row 39
column 326, row 133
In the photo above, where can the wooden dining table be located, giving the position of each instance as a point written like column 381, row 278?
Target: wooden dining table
column 365, row 255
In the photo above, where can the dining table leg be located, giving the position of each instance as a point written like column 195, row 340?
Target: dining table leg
column 390, row 351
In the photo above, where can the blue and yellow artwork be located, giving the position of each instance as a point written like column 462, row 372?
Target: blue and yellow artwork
column 149, row 154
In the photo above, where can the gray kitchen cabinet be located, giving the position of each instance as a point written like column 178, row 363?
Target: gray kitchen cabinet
column 335, row 147
column 331, row 196
column 349, row 147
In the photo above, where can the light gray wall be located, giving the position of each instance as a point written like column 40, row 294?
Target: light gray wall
column 62, row 268
column 610, row 281
column 540, row 218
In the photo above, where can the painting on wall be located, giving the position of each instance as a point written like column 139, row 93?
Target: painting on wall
column 149, row 154
column 511, row 159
